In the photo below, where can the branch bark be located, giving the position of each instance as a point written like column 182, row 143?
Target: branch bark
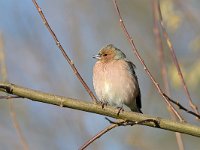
column 82, row 105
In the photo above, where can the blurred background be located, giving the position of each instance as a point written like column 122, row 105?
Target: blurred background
column 83, row 27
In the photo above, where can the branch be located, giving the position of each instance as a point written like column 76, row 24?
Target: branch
column 176, row 63
column 182, row 107
column 159, row 45
column 9, row 97
column 130, row 40
column 71, row 63
column 4, row 75
column 112, row 126
column 98, row 135
column 38, row 96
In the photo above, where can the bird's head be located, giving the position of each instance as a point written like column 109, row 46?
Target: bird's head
column 109, row 53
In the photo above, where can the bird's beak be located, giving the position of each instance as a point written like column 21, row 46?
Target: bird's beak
column 96, row 56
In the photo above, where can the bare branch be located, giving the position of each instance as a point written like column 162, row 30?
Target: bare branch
column 98, row 135
column 129, row 38
column 3, row 73
column 157, row 34
column 9, row 97
column 63, row 52
column 182, row 107
column 161, row 55
column 159, row 45
column 17, row 126
column 131, row 123
column 116, row 124
column 175, row 60
column 34, row 95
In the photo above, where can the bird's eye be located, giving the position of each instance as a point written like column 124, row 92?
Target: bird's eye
column 105, row 54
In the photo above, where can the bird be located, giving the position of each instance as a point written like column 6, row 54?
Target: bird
column 115, row 81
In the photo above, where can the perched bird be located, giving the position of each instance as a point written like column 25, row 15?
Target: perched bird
column 114, row 79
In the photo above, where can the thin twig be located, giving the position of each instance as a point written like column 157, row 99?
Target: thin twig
column 182, row 107
column 9, row 97
column 129, row 38
column 63, row 52
column 159, row 45
column 98, row 135
column 175, row 60
column 113, row 125
column 17, row 126
column 160, row 51
column 3, row 72
column 131, row 123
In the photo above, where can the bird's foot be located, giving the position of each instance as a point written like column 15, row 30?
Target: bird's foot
column 120, row 109
column 103, row 104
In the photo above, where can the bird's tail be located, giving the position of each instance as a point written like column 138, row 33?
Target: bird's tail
column 140, row 111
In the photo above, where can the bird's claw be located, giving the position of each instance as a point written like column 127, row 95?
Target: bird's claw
column 120, row 109
column 103, row 104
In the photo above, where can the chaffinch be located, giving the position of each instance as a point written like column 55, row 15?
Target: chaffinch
column 114, row 79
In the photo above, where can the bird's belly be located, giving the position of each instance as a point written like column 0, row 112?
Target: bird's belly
column 115, row 85
column 119, row 92
column 112, row 94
